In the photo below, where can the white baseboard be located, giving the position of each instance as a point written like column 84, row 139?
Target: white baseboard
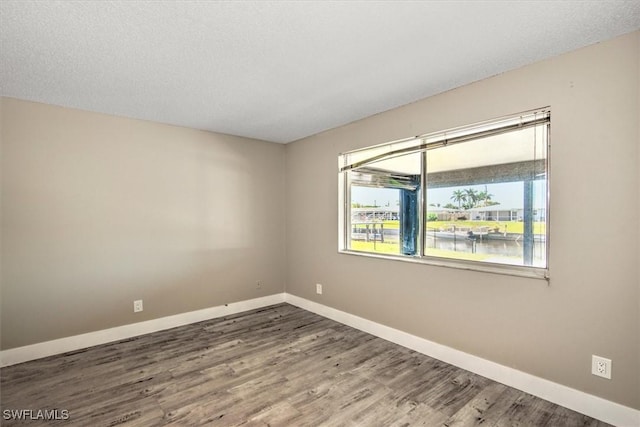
column 593, row 406
column 77, row 342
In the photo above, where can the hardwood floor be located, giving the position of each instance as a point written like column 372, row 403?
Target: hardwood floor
column 278, row 366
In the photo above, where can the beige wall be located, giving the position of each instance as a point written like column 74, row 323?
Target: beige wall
column 591, row 304
column 98, row 211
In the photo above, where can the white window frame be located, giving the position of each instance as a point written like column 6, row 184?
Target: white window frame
column 356, row 158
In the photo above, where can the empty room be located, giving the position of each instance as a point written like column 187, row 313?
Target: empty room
column 320, row 213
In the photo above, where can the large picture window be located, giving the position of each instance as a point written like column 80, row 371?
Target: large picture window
column 472, row 197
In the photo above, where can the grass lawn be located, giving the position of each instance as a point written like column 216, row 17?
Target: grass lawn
column 380, row 248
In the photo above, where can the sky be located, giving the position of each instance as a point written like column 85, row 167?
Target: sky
column 509, row 195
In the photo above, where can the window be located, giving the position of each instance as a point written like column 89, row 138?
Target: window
column 473, row 197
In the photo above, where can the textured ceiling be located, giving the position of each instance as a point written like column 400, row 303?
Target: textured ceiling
column 278, row 70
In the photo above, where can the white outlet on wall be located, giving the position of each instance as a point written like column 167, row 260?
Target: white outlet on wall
column 137, row 306
column 601, row 366
column 318, row 289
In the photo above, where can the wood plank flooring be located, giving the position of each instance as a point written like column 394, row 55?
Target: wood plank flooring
column 277, row 366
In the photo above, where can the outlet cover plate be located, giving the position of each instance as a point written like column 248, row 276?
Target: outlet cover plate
column 137, row 306
column 318, row 289
column 601, row 366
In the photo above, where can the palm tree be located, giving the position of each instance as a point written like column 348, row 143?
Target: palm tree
column 484, row 197
column 471, row 197
column 459, row 196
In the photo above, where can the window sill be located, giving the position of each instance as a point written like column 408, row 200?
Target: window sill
column 502, row 269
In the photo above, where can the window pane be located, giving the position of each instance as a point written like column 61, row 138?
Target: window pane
column 384, row 206
column 486, row 199
column 374, row 219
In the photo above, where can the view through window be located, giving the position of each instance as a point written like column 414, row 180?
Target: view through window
column 475, row 195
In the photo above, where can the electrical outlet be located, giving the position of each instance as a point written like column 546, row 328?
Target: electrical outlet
column 318, row 289
column 137, row 306
column 601, row 366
